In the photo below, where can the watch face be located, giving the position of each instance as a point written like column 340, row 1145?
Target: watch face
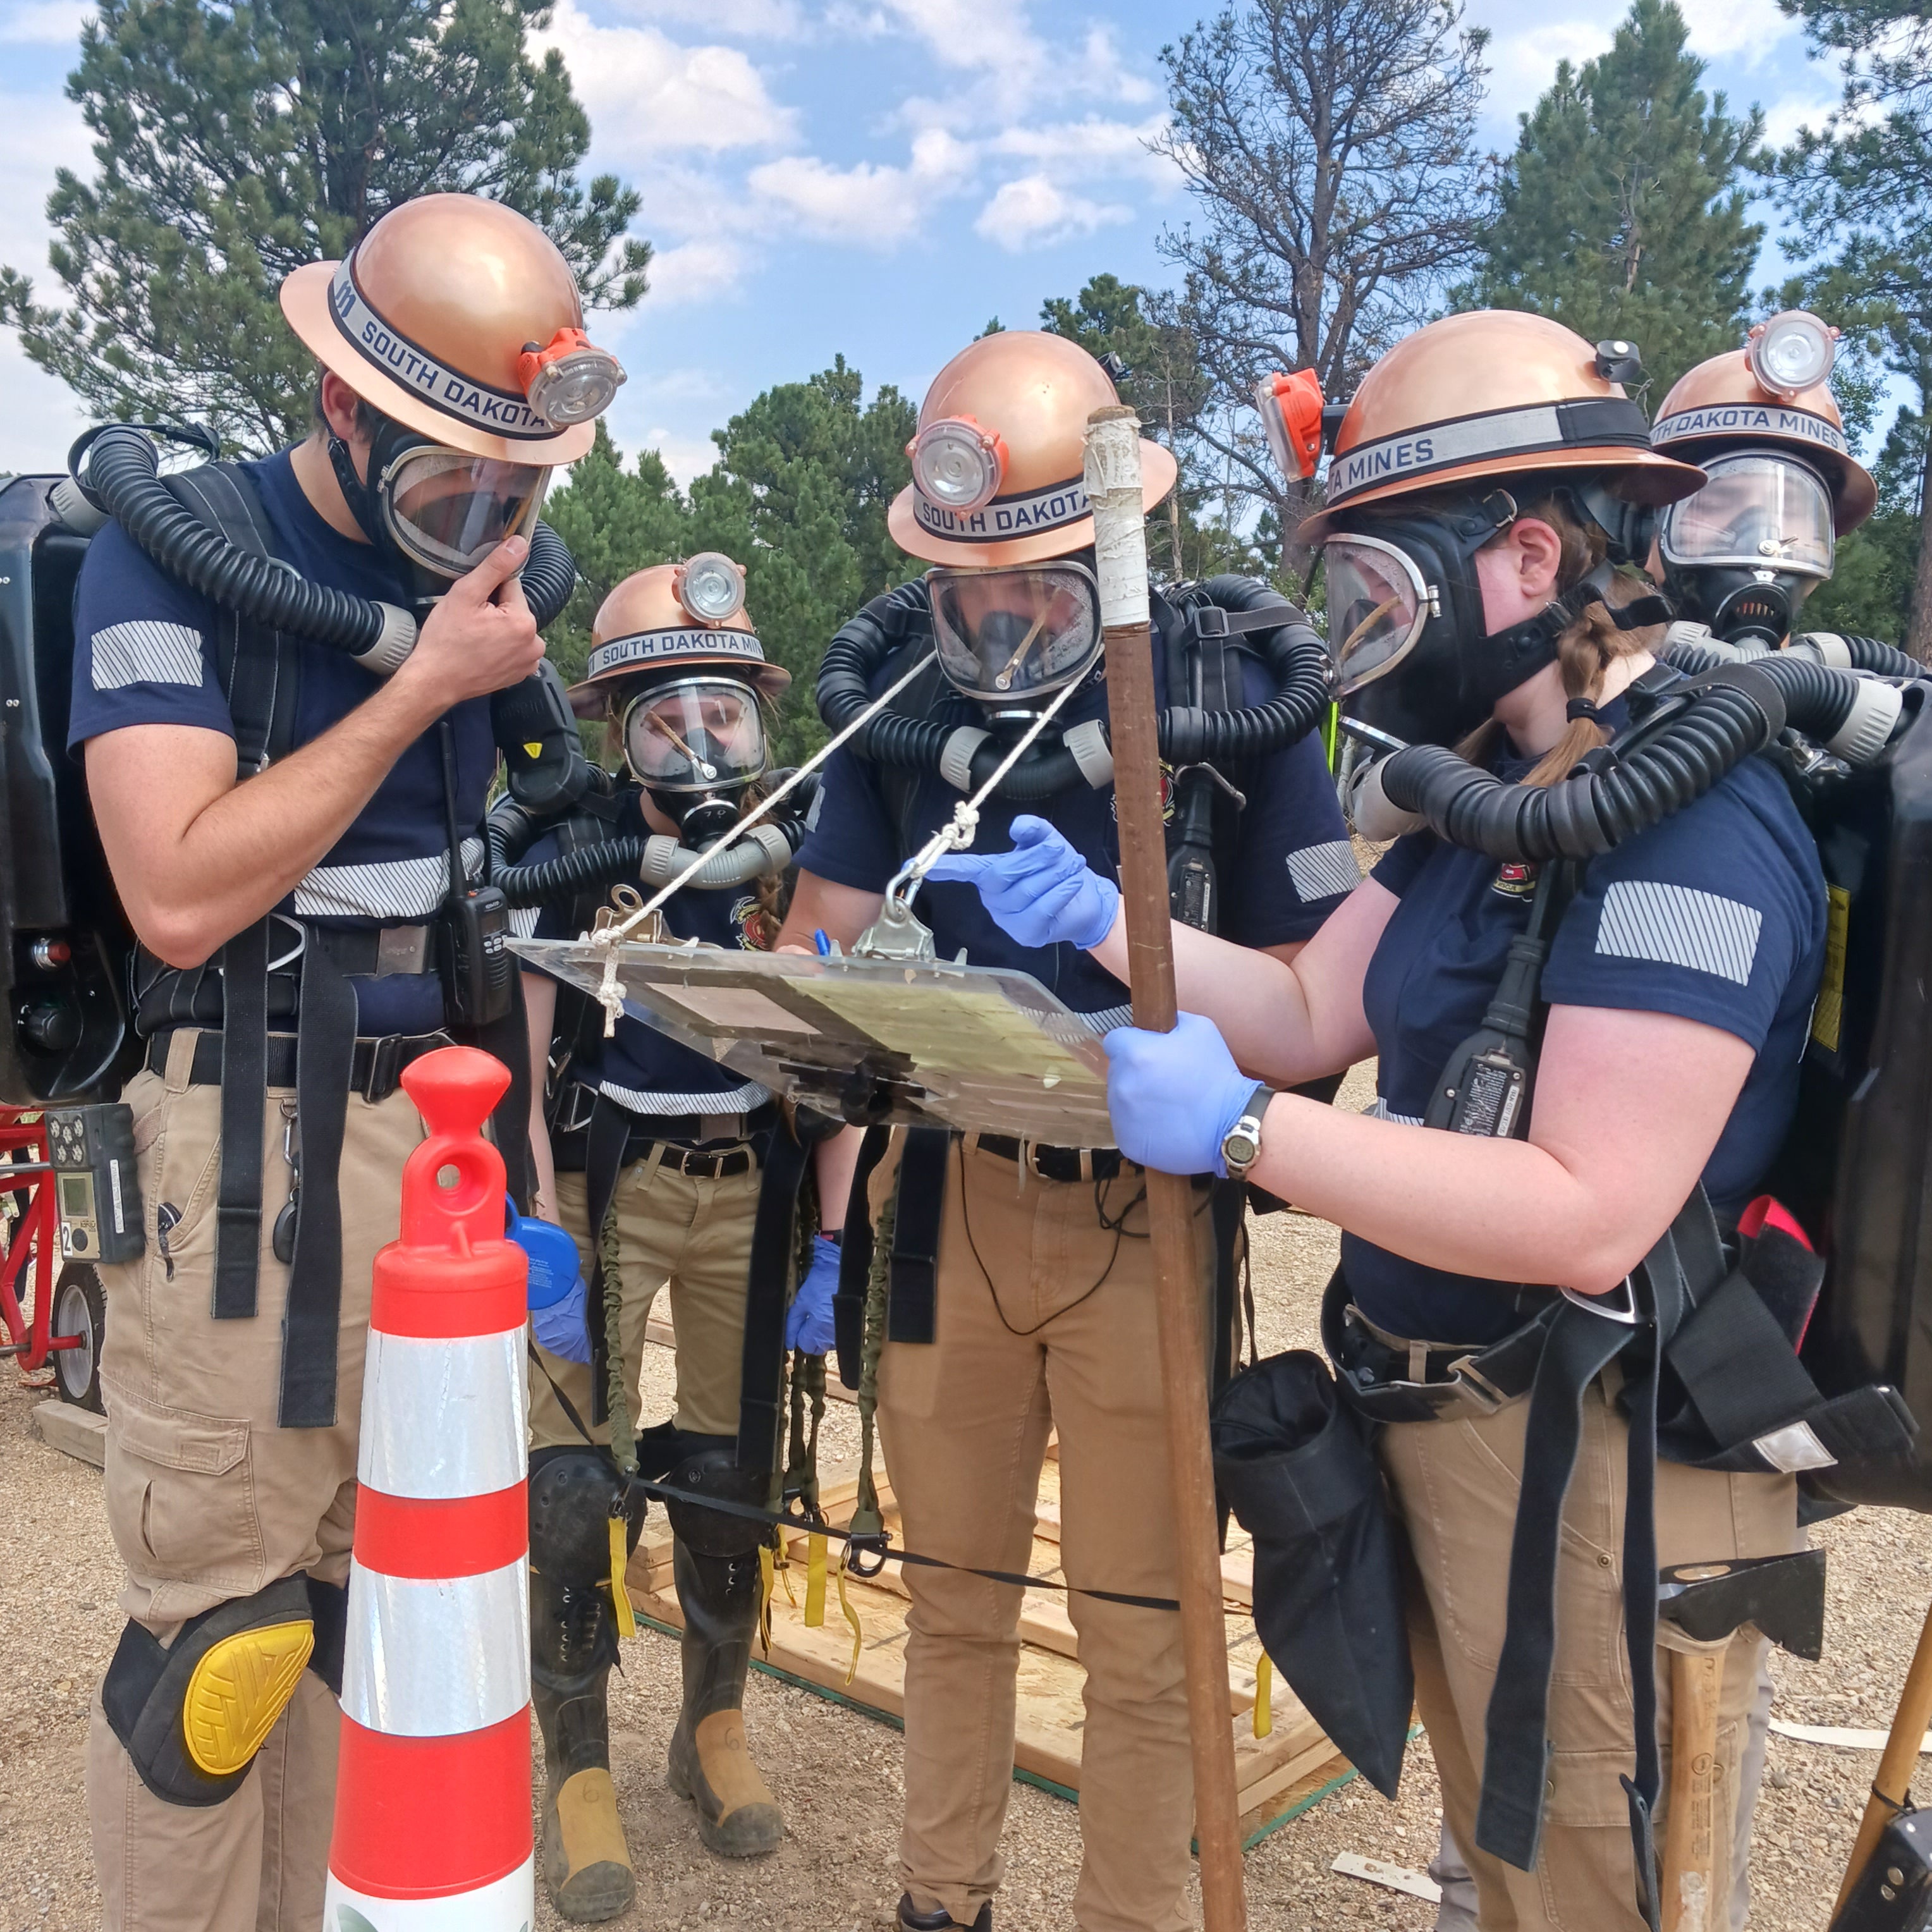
column 1239, row 1149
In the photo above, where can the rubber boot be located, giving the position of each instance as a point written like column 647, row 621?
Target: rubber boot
column 737, row 1816
column 587, row 1864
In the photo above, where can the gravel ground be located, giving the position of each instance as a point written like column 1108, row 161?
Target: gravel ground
column 838, row 1774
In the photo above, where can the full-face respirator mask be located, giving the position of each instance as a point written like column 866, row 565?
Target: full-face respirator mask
column 1407, row 637
column 1009, row 638
column 1742, row 555
column 694, row 744
column 435, row 511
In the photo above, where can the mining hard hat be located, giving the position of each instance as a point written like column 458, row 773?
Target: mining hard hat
column 1485, row 396
column 1775, row 391
column 683, row 620
column 998, row 463
column 457, row 317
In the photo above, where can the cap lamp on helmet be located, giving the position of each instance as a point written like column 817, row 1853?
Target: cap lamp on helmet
column 1006, row 638
column 1291, row 412
column 570, row 379
column 710, row 587
column 956, row 463
column 1791, row 353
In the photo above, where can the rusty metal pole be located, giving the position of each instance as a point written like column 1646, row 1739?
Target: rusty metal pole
column 1113, row 478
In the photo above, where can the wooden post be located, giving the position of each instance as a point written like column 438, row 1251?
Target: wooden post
column 1897, row 1764
column 1113, row 477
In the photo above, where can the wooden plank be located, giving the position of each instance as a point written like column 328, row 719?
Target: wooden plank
column 78, row 1432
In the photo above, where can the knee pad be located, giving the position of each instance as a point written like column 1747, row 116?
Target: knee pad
column 710, row 1467
column 329, row 1605
column 192, row 1716
column 574, row 1494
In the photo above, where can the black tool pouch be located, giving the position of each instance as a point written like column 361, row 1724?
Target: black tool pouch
column 1294, row 1464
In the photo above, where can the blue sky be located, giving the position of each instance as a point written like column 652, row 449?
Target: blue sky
column 872, row 177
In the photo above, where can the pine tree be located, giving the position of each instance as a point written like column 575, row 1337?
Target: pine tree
column 235, row 142
column 1620, row 213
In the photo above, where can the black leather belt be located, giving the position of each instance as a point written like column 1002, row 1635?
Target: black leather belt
column 372, row 951
column 699, row 1165
column 376, row 1066
column 1053, row 1163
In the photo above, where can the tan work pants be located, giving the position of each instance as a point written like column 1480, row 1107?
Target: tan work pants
column 695, row 1234
column 1456, row 1483
column 209, row 1500
column 1046, row 1319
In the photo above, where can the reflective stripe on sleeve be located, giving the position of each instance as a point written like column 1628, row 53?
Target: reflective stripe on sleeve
column 432, row 1660
column 435, row 1423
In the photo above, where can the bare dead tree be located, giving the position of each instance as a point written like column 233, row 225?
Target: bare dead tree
column 1330, row 148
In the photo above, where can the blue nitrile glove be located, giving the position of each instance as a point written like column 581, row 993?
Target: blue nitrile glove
column 1042, row 892
column 808, row 1320
column 1174, row 1096
column 561, row 1327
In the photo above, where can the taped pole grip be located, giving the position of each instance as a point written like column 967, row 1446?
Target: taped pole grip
column 1113, row 482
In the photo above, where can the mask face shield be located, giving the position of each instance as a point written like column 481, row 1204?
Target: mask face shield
column 1757, row 512
column 1377, row 605
column 446, row 511
column 1008, row 636
column 699, row 735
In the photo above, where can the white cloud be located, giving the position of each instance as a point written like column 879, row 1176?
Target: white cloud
column 684, row 456
column 993, row 35
column 647, row 95
column 871, row 205
column 45, row 23
column 1092, row 149
column 1784, row 119
column 1523, row 65
column 1101, row 70
column 1745, row 29
column 1032, row 212
column 763, row 20
column 696, row 270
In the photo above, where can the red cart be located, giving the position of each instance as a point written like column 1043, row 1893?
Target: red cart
column 50, row 1311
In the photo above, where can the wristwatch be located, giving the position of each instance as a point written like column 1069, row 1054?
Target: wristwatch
column 1241, row 1145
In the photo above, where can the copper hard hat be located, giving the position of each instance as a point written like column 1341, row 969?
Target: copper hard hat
column 1492, row 394
column 1011, row 410
column 1721, row 405
column 429, row 316
column 642, row 629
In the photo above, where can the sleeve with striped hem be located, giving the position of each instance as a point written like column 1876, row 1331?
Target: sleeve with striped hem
column 1295, row 863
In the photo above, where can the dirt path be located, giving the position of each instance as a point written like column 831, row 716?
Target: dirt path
column 838, row 1774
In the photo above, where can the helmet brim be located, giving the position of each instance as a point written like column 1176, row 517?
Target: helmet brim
column 1158, row 471
column 304, row 299
column 1639, row 475
column 590, row 699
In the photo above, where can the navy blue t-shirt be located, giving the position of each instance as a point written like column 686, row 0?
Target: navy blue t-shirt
column 145, row 654
column 1716, row 915
column 1293, row 865
column 639, row 1067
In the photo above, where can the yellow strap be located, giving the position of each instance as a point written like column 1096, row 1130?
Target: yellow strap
column 1264, row 1696
column 627, row 1624
column 782, row 1561
column 851, row 1617
column 767, row 1580
column 814, row 1581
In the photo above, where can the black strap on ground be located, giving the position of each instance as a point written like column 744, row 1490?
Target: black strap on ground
column 913, row 1282
column 605, row 1141
column 774, row 1251
column 325, row 1048
column 855, row 1257
column 244, row 1057
column 670, row 1492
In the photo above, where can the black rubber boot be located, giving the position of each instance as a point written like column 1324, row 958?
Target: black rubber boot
column 939, row 1919
column 573, row 1645
column 710, row 1765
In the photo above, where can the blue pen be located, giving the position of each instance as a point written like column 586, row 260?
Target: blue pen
column 822, row 939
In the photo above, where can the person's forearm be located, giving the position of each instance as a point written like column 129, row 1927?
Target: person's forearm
column 835, row 1161
column 1255, row 999
column 246, row 849
column 1502, row 1209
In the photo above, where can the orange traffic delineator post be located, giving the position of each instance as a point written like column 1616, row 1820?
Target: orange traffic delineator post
column 433, row 1828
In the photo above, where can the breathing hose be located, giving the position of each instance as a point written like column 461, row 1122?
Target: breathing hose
column 1700, row 732
column 122, row 467
column 1861, row 654
column 968, row 756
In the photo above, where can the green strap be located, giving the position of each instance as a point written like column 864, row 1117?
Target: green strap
column 623, row 1435
column 867, row 1519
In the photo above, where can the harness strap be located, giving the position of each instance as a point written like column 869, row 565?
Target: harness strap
column 855, row 1257
column 761, row 1375
column 325, row 1046
column 912, row 1309
column 605, row 1140
column 245, row 1086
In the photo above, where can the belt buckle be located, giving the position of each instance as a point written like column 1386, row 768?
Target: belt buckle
column 1470, row 1382
column 400, row 949
column 385, row 1056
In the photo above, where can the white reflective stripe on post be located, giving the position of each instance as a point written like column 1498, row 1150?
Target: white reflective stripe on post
column 434, row 1660
column 436, row 1421
column 507, row 1904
